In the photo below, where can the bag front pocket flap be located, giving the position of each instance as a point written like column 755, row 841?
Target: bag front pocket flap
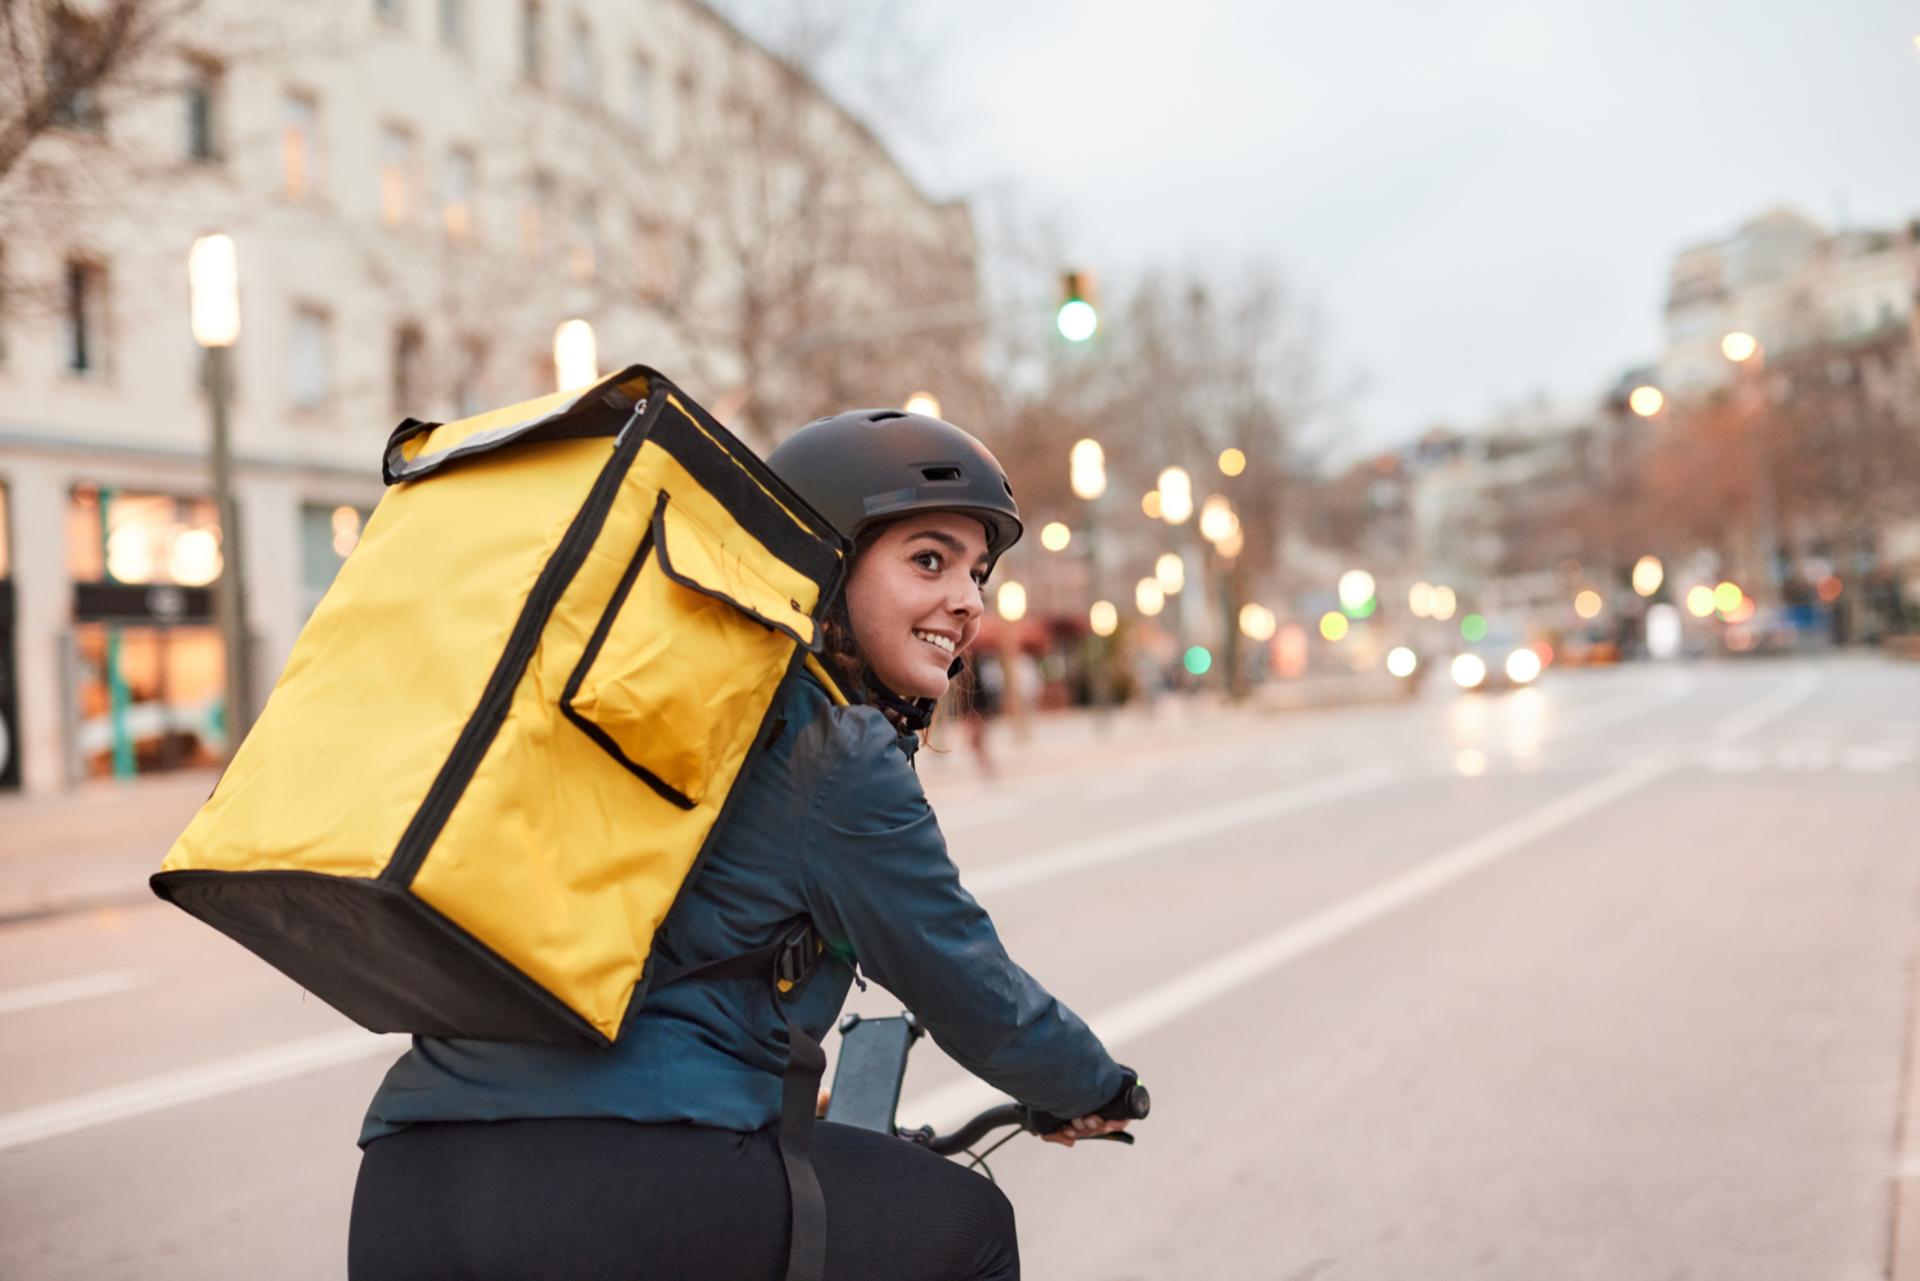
column 699, row 560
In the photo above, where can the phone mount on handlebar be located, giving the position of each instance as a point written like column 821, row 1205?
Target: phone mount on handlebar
column 866, row 1091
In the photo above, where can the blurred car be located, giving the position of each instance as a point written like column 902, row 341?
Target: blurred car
column 1498, row 660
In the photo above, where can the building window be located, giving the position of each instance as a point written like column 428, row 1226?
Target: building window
column 581, row 253
column 453, row 25
column 457, row 210
column 390, row 13
column 204, row 80
column 639, row 91
column 470, row 379
column 409, row 351
column 83, row 314
column 396, row 175
column 328, row 535
column 533, row 215
column 299, row 145
column 580, row 61
column 72, row 54
column 310, row 358
column 532, row 49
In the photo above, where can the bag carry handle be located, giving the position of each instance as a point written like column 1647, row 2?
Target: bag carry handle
column 605, row 409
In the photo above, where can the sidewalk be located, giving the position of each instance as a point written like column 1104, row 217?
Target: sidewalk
column 96, row 844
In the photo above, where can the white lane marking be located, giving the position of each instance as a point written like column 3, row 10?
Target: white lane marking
column 60, row 991
column 1753, row 717
column 948, row 1105
column 191, row 1084
column 1171, row 832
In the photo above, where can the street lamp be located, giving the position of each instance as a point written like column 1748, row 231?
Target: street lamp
column 1176, row 496
column 1087, row 469
column 1646, row 401
column 576, row 362
column 1087, row 473
column 213, row 281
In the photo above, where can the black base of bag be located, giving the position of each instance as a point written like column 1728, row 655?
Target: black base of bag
column 302, row 923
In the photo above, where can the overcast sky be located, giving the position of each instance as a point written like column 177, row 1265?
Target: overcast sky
column 1482, row 195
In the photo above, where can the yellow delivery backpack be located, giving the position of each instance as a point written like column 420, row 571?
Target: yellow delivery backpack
column 507, row 734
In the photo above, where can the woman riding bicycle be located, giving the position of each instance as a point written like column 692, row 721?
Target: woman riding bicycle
column 661, row 1156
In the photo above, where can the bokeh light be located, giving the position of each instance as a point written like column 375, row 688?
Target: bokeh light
column 195, row 558
column 1150, row 504
column 1217, row 520
column 1199, row 660
column 1726, row 597
column 1232, row 461
column 1473, row 628
column 1176, row 496
column 1011, row 601
column 1739, row 346
column 1257, row 622
column 1170, row 572
column 1055, row 536
column 1149, row 597
column 1355, row 590
column 1103, row 618
column 1470, row 762
column 1444, row 602
column 1402, row 661
column 1587, row 603
column 1700, row 601
column 923, row 402
column 1646, row 401
column 1077, row 320
column 1522, row 666
column 1648, row 574
column 1420, row 599
column 1468, row 670
column 346, row 531
column 1333, row 625
column 1830, row 588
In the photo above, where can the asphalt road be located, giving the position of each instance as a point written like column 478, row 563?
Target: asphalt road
column 1604, row 979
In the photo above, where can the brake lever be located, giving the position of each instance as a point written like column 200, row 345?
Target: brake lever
column 1118, row 1136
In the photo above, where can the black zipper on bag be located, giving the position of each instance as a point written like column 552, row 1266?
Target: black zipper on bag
column 497, row 698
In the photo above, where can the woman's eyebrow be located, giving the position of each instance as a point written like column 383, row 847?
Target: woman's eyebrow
column 947, row 541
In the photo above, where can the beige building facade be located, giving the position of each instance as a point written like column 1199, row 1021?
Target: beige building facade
column 420, row 192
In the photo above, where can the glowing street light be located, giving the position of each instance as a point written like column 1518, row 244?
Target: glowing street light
column 1444, row 602
column 1176, row 495
column 1356, row 589
column 1149, row 597
column 1217, row 520
column 1648, row 574
column 1402, row 661
column 1258, row 623
column 1150, row 504
column 1727, row 597
column 1170, row 572
column 1087, row 469
column 1646, row 401
column 923, row 402
column 1420, row 599
column 1011, row 601
column 576, row 359
column 213, row 281
column 1232, row 461
column 1700, row 601
column 1055, row 536
column 1103, row 618
column 1739, row 346
column 1587, row 603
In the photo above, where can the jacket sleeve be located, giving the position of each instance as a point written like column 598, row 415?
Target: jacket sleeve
column 880, row 885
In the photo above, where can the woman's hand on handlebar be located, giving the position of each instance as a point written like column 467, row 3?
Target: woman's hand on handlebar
column 1091, row 1126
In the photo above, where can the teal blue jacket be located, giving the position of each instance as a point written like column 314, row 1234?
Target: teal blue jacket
column 831, row 824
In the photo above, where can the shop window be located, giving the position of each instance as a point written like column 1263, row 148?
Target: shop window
column 150, row 695
column 141, row 540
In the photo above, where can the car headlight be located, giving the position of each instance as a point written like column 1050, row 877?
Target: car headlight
column 1522, row 666
column 1469, row 670
column 1402, row 661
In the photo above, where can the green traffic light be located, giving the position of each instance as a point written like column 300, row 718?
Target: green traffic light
column 1077, row 320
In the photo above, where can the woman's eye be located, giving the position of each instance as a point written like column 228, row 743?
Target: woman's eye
column 929, row 561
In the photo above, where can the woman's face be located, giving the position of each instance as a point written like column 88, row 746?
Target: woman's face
column 914, row 599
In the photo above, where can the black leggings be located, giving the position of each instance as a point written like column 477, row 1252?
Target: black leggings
column 506, row 1200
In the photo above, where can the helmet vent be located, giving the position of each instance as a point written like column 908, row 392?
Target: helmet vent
column 946, row 474
column 884, row 415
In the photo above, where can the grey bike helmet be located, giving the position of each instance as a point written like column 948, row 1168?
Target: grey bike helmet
column 868, row 465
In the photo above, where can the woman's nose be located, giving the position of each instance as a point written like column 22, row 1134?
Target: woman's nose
column 968, row 602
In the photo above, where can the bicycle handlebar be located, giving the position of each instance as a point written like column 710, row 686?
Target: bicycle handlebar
column 1133, row 1105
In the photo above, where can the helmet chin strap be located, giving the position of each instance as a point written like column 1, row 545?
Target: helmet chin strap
column 912, row 714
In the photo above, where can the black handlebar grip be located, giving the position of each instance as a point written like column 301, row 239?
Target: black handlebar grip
column 1132, row 1103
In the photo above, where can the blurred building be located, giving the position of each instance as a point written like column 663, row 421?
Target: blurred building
column 420, row 192
column 1789, row 282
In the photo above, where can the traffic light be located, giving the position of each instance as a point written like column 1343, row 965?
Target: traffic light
column 1076, row 319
